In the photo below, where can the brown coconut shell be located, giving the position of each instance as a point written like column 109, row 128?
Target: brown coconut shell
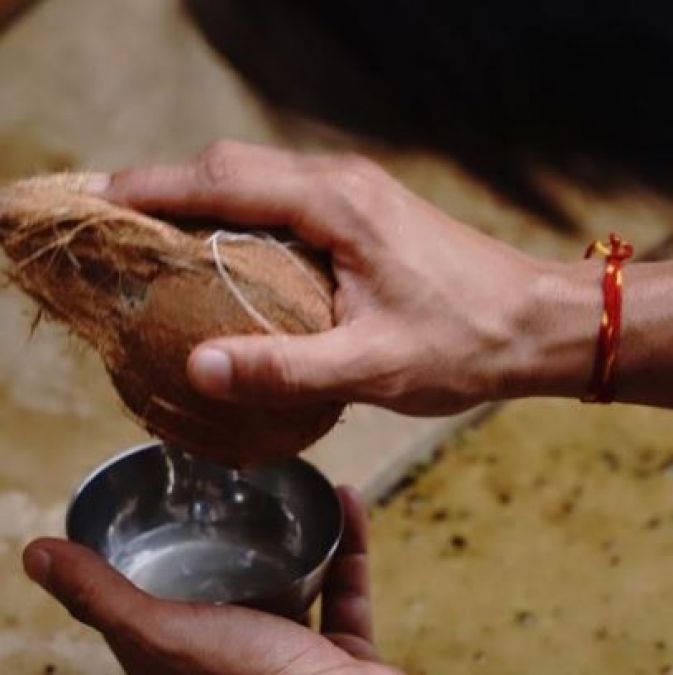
column 144, row 293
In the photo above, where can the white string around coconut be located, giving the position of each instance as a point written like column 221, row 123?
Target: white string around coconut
column 214, row 240
column 249, row 308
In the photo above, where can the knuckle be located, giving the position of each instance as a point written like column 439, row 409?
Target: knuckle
column 89, row 605
column 82, row 602
column 148, row 628
column 350, row 172
column 389, row 387
column 389, row 380
column 274, row 369
column 355, row 186
column 361, row 166
column 217, row 162
column 283, row 371
column 354, row 175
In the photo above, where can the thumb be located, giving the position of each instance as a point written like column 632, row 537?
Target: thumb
column 90, row 589
column 282, row 370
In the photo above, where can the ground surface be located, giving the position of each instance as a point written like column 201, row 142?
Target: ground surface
column 529, row 588
column 541, row 542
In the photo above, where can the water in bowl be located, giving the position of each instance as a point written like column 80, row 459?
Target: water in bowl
column 185, row 561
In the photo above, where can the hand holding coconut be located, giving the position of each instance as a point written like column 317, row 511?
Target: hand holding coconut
column 425, row 307
column 241, row 348
column 277, row 349
column 233, row 346
column 432, row 316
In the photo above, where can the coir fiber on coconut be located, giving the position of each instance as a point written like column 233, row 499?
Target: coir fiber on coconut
column 144, row 293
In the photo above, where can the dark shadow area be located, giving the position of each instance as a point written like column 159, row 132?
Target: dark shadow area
column 11, row 9
column 579, row 87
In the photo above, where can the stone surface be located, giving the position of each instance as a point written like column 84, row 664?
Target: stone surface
column 539, row 542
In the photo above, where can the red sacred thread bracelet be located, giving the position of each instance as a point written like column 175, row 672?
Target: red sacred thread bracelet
column 604, row 377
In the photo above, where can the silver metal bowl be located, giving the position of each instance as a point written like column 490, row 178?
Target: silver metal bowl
column 185, row 529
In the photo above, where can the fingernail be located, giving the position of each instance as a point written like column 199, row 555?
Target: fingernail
column 211, row 370
column 96, row 183
column 37, row 563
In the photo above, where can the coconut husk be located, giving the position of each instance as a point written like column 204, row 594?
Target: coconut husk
column 144, row 293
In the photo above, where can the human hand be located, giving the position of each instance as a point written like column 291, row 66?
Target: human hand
column 175, row 638
column 429, row 311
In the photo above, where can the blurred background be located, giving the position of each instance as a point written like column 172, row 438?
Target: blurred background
column 540, row 539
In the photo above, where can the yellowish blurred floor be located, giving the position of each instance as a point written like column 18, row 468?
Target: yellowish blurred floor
column 540, row 542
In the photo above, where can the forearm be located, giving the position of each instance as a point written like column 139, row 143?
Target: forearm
column 557, row 333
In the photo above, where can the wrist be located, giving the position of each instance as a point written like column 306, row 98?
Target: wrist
column 554, row 334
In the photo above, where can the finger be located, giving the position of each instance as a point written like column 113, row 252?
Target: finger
column 247, row 184
column 284, row 370
column 90, row 589
column 346, row 605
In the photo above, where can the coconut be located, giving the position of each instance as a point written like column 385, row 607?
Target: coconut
column 145, row 292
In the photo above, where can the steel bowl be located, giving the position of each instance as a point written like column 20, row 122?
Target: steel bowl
column 182, row 528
